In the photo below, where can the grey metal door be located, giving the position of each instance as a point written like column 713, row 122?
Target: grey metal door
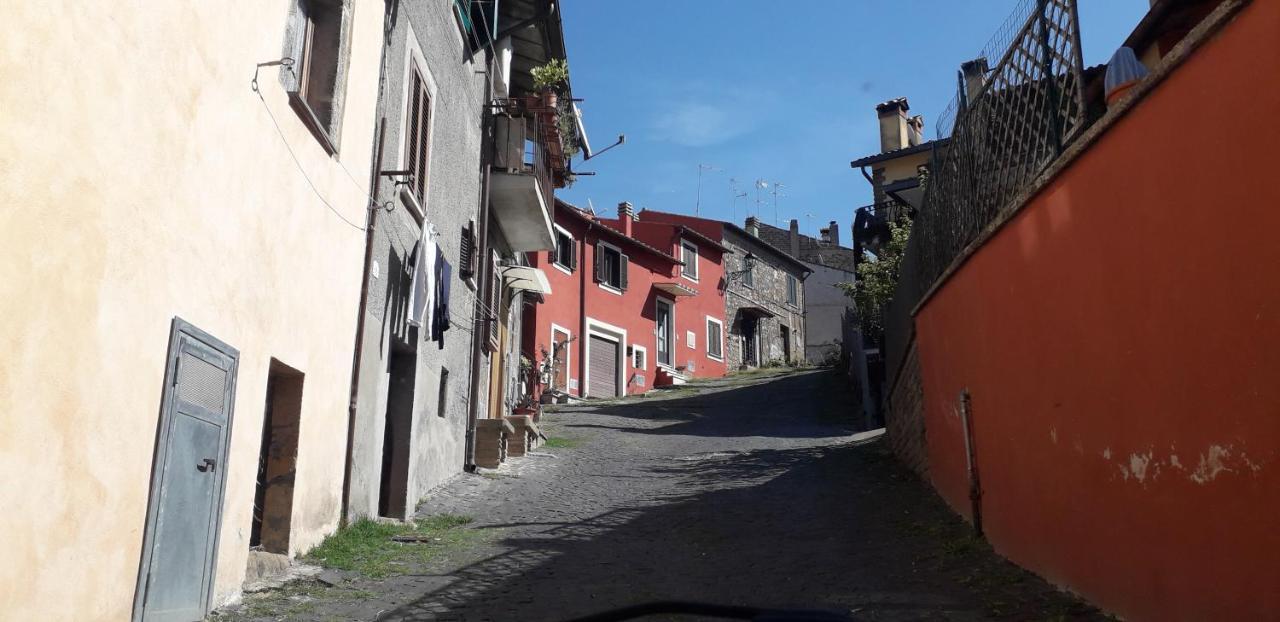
column 178, row 551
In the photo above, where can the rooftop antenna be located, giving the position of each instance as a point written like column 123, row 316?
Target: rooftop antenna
column 808, row 221
column 733, row 189
column 697, row 207
column 591, row 208
column 776, row 222
column 760, row 185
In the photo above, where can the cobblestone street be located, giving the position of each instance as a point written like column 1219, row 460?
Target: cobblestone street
column 756, row 490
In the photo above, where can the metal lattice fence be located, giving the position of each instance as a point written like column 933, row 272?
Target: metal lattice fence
column 1010, row 123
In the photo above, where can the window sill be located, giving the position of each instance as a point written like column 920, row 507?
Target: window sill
column 411, row 202
column 686, row 277
column 609, row 288
column 561, row 267
column 312, row 122
column 718, row 359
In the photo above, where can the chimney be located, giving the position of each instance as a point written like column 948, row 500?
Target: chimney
column 833, row 233
column 753, row 226
column 795, row 238
column 625, row 217
column 974, row 73
column 893, row 124
column 915, row 130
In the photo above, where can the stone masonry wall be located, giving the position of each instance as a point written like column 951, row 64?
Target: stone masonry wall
column 768, row 291
column 905, row 419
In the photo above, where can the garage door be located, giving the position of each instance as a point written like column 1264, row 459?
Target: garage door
column 604, row 368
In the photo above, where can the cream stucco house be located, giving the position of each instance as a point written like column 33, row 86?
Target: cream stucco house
column 181, row 253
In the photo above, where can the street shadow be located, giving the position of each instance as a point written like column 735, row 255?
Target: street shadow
column 840, row 528
column 815, row 404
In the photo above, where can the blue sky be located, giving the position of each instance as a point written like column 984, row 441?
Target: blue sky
column 762, row 90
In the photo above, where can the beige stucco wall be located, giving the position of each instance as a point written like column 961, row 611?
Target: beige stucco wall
column 141, row 179
column 904, row 167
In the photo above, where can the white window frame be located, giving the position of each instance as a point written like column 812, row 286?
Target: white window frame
column 612, row 333
column 691, row 339
column 793, row 284
column 686, row 244
column 604, row 284
column 556, row 262
column 413, row 54
column 639, row 349
column 568, row 353
column 719, row 324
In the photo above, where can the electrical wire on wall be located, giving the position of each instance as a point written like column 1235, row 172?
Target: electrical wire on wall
column 288, row 62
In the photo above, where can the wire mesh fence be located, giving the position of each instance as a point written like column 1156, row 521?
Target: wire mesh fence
column 1010, row 123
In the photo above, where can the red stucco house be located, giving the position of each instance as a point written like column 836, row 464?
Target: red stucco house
column 633, row 305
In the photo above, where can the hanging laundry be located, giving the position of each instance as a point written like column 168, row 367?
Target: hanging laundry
column 444, row 276
column 422, row 290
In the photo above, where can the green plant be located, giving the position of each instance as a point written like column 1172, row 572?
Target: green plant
column 366, row 546
column 878, row 277
column 551, row 75
column 559, row 442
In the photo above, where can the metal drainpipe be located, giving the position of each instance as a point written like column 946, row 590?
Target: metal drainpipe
column 582, row 314
column 478, row 326
column 370, row 225
column 971, row 461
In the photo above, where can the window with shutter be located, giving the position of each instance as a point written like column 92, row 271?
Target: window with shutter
column 564, row 254
column 495, row 301
column 417, row 149
column 467, row 253
column 610, row 266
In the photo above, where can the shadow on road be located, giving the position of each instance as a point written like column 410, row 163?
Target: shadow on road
column 814, row 404
column 839, row 527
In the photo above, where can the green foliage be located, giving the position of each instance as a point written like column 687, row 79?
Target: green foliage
column 559, row 442
column 551, row 75
column 878, row 276
column 366, row 545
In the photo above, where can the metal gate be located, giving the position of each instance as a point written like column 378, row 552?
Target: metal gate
column 603, row 368
column 179, row 547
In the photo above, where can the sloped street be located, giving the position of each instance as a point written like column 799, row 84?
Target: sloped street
column 751, row 490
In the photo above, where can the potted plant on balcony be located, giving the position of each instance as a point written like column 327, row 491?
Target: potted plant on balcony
column 548, row 79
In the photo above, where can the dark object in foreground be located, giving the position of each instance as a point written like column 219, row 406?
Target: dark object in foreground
column 716, row 611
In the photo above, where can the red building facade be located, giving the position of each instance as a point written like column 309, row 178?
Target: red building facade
column 633, row 305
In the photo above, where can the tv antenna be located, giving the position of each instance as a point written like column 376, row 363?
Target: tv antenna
column 697, row 207
column 760, row 185
column 776, row 194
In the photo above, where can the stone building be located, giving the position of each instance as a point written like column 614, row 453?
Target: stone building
column 438, row 350
column 764, row 300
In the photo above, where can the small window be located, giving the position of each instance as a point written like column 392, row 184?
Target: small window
column 444, row 392
column 417, row 133
column 715, row 338
column 563, row 255
column 689, row 255
column 749, row 276
column 639, row 357
column 611, row 267
column 692, row 339
column 315, row 80
column 793, row 287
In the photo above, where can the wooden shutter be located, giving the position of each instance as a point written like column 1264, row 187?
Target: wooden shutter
column 467, row 253
column 573, row 256
column 622, row 271
column 599, row 263
column 419, row 124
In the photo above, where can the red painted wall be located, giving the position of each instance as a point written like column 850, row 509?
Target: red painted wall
column 633, row 310
column 1121, row 342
